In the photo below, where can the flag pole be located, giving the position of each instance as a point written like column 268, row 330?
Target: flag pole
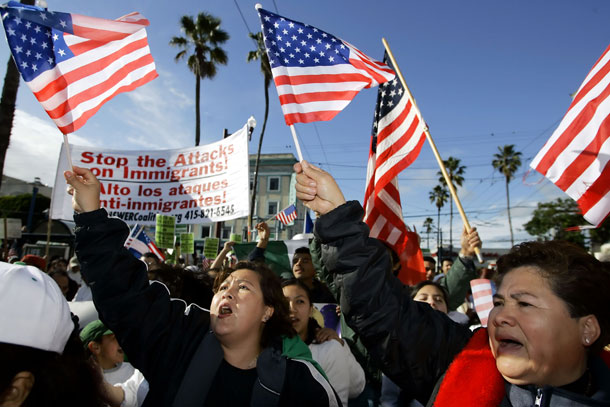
column 296, row 142
column 68, row 155
column 454, row 195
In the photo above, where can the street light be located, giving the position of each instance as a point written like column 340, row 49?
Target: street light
column 251, row 125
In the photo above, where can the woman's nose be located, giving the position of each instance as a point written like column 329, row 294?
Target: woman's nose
column 501, row 315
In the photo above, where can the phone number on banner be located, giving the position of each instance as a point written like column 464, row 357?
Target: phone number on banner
column 210, row 212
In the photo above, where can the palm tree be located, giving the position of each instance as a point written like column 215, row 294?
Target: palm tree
column 438, row 196
column 7, row 104
column 507, row 161
column 260, row 54
column 428, row 222
column 455, row 172
column 203, row 36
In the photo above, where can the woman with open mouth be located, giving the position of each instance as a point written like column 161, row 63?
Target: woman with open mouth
column 242, row 352
column 546, row 334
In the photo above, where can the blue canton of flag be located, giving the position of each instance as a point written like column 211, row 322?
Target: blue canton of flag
column 316, row 74
column 36, row 46
column 139, row 243
column 74, row 64
column 290, row 43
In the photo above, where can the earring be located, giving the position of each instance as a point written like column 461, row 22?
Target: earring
column 587, row 340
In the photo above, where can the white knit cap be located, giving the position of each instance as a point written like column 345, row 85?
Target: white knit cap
column 33, row 311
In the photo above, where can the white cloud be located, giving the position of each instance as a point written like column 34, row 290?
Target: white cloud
column 34, row 148
column 157, row 112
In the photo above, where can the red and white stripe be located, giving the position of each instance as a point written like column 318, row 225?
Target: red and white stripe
column 576, row 156
column 286, row 219
column 109, row 58
column 482, row 295
column 400, row 137
column 309, row 94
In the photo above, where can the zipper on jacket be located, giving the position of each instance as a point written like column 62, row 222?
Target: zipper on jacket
column 538, row 401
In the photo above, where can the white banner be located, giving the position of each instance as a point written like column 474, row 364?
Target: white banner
column 196, row 185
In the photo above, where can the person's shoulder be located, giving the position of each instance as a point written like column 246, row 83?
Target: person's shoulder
column 307, row 384
column 331, row 347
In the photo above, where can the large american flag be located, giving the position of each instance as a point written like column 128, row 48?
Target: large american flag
column 576, row 156
column 73, row 63
column 397, row 139
column 316, row 73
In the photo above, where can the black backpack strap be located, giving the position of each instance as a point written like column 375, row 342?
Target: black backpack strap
column 200, row 373
column 271, row 370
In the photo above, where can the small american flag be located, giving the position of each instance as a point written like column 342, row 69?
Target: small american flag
column 139, row 243
column 74, row 64
column 397, row 138
column 206, row 263
column 316, row 73
column 482, row 296
column 288, row 215
column 577, row 156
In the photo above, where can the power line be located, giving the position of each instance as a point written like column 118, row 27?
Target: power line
column 242, row 16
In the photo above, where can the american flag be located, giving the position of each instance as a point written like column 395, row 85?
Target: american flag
column 288, row 215
column 397, row 139
column 139, row 243
column 576, row 156
column 316, row 73
column 73, row 63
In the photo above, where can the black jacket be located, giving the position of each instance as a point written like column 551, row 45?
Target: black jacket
column 161, row 335
column 412, row 343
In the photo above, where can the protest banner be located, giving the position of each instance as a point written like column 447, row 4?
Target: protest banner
column 235, row 237
column 164, row 231
column 187, row 243
column 210, row 247
column 197, row 185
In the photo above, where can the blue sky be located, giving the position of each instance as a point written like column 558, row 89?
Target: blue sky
column 484, row 74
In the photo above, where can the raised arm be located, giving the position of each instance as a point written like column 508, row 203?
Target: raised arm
column 463, row 270
column 411, row 343
column 145, row 321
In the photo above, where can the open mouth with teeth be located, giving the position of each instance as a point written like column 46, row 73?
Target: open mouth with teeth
column 224, row 311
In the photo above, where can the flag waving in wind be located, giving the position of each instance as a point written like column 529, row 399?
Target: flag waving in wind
column 577, row 156
column 73, row 63
column 316, row 73
column 288, row 215
column 397, row 139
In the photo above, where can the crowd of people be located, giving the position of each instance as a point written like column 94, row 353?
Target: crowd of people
column 105, row 328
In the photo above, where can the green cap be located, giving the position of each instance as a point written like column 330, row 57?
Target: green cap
column 94, row 332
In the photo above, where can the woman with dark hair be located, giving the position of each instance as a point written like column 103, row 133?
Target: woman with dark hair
column 241, row 352
column 545, row 335
column 42, row 361
column 432, row 293
column 335, row 357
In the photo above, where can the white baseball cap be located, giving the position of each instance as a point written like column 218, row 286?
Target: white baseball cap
column 33, row 311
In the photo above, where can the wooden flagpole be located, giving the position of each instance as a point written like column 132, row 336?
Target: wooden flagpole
column 454, row 195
